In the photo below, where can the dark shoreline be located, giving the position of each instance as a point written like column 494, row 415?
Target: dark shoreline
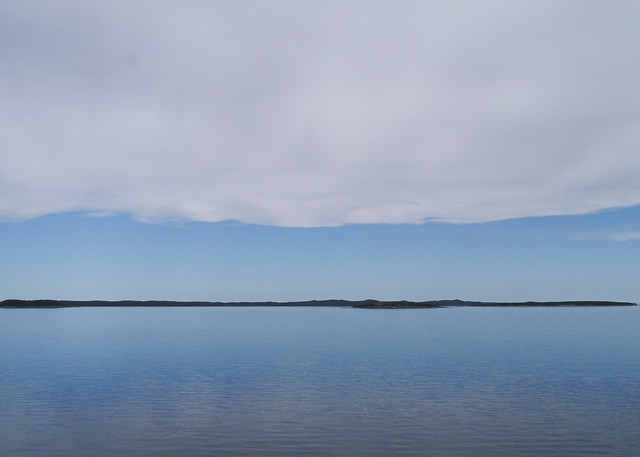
column 364, row 304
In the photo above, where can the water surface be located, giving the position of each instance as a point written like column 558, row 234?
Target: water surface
column 319, row 381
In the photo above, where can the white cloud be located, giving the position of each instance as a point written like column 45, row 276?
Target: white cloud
column 626, row 236
column 319, row 113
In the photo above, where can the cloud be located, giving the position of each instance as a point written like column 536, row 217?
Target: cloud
column 626, row 236
column 319, row 113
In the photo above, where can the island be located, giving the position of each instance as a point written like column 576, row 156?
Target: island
column 361, row 304
column 401, row 304
column 459, row 303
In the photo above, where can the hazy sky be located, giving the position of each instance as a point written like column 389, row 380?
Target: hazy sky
column 294, row 118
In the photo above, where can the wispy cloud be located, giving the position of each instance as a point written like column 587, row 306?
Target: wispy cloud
column 626, row 236
column 319, row 113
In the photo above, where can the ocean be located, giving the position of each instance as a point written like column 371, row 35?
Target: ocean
column 274, row 381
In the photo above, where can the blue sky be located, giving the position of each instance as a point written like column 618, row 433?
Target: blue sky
column 73, row 256
column 416, row 149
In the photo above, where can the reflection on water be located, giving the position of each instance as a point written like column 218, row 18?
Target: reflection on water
column 319, row 381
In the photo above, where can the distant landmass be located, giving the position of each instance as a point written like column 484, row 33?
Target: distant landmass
column 365, row 304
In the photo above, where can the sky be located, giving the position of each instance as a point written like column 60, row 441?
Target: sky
column 288, row 150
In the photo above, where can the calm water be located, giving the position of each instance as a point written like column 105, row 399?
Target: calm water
column 323, row 381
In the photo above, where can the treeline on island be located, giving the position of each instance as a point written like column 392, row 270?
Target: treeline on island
column 366, row 304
